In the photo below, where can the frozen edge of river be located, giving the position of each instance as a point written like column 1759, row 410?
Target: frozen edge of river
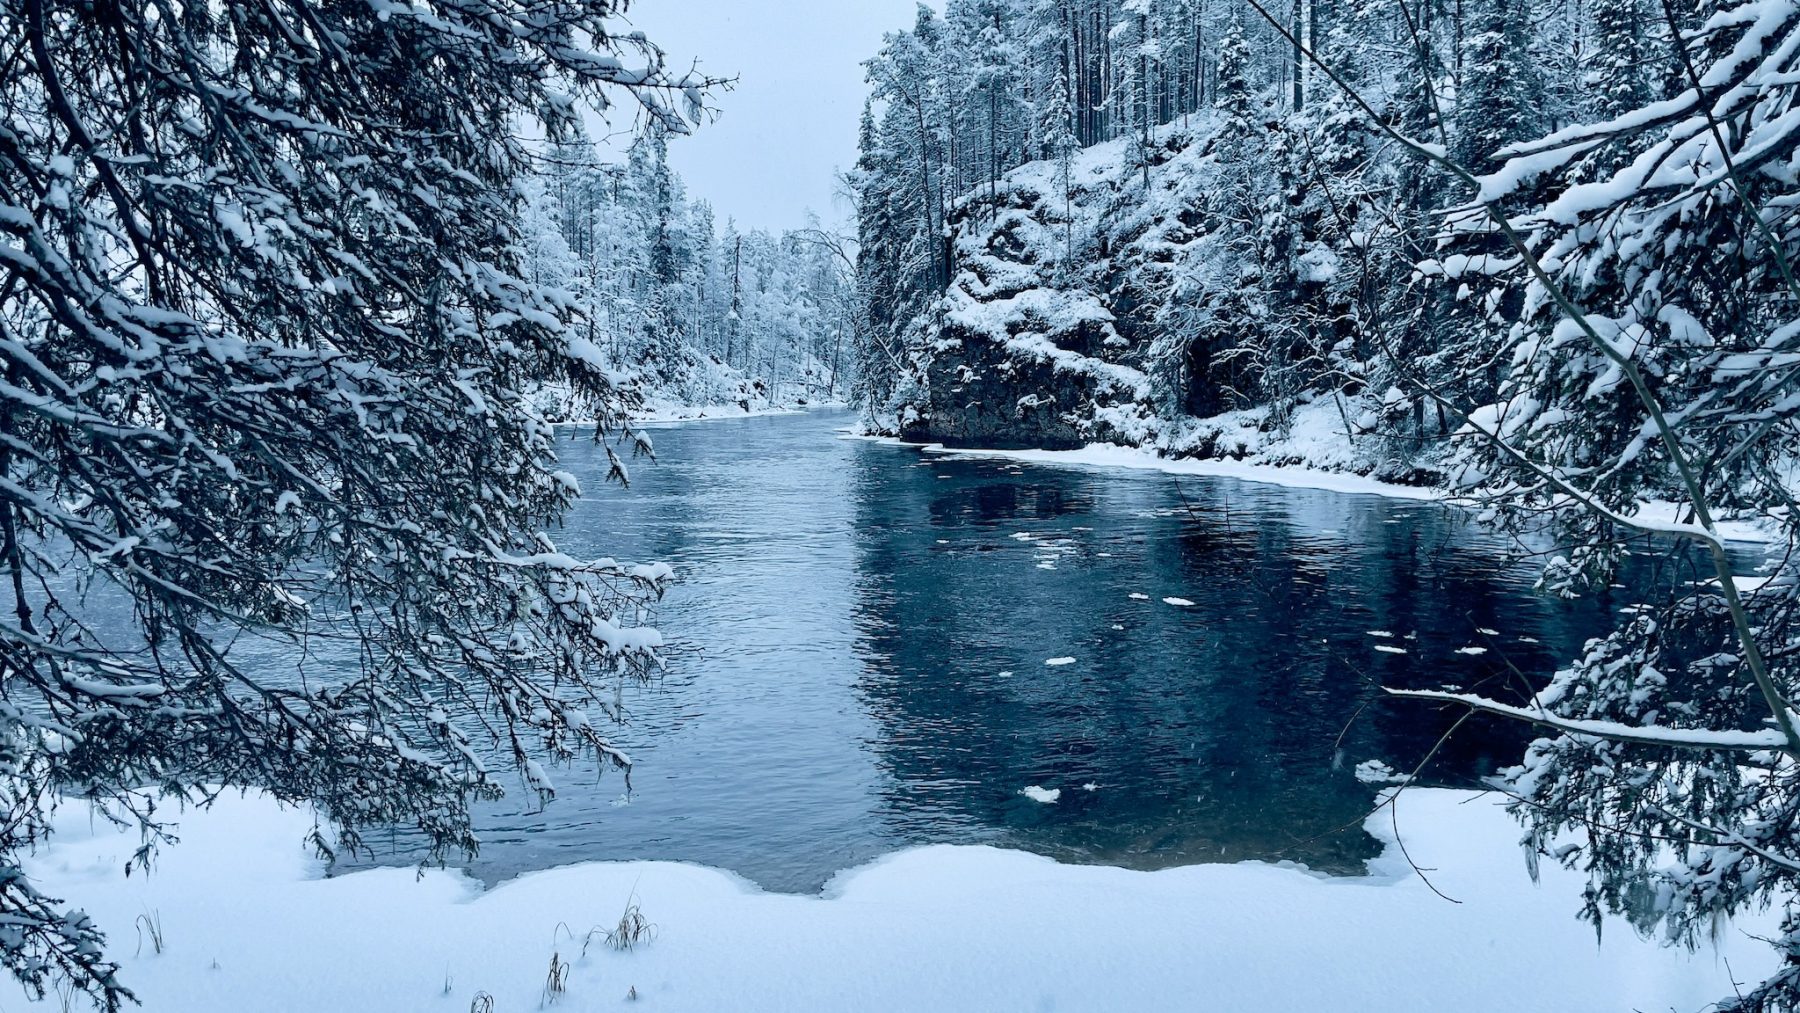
column 250, row 924
column 1752, row 531
column 667, row 415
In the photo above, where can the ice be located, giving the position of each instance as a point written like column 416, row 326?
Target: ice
column 1377, row 772
column 1041, row 794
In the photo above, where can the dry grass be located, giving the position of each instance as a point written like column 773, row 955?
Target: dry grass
column 149, row 923
column 556, row 980
column 633, row 929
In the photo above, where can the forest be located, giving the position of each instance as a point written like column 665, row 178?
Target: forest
column 705, row 316
column 1221, row 213
column 1238, row 492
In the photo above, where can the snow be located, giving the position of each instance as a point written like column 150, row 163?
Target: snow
column 1107, row 455
column 1748, row 530
column 1377, row 772
column 250, row 924
column 1652, row 514
column 669, row 413
column 1747, row 741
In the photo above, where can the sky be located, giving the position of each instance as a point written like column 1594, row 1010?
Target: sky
column 789, row 126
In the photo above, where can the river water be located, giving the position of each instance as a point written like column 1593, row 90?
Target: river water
column 861, row 634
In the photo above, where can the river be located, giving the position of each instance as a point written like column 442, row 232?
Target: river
column 861, row 634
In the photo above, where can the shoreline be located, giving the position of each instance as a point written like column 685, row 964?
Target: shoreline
column 250, row 923
column 1756, row 531
column 724, row 413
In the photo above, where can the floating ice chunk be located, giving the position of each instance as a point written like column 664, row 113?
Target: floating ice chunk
column 1021, row 536
column 1135, row 596
column 1059, row 662
column 1006, row 675
column 1376, row 772
column 1384, row 634
column 1041, row 794
column 1471, row 651
column 1178, row 602
column 1390, row 649
column 1118, row 626
column 1484, row 631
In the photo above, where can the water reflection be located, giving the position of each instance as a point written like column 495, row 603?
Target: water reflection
column 865, row 633
column 1218, row 728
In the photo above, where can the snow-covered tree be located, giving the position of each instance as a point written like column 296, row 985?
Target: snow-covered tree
column 1499, row 96
column 1651, row 357
column 267, row 335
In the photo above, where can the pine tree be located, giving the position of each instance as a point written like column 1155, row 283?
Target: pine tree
column 1057, row 129
column 1231, row 91
column 1619, row 82
column 1497, row 102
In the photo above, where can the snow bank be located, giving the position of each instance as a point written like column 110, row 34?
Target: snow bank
column 1748, row 531
column 1110, row 455
column 250, row 925
column 670, row 413
column 665, row 413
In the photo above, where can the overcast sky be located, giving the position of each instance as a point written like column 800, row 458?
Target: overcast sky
column 790, row 124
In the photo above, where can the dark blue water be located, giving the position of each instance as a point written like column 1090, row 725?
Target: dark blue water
column 862, row 631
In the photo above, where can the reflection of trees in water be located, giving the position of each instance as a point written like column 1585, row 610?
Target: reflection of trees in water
column 1212, row 732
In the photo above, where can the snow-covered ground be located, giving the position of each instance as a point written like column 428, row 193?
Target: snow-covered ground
column 669, row 413
column 1108, row 455
column 248, row 923
column 672, row 412
column 1312, row 457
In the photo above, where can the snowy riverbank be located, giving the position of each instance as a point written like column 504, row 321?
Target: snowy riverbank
column 1286, row 468
column 668, row 414
column 249, row 924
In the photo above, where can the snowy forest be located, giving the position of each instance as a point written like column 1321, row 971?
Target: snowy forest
column 1536, row 253
column 1221, row 210
column 1262, row 503
column 703, row 315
